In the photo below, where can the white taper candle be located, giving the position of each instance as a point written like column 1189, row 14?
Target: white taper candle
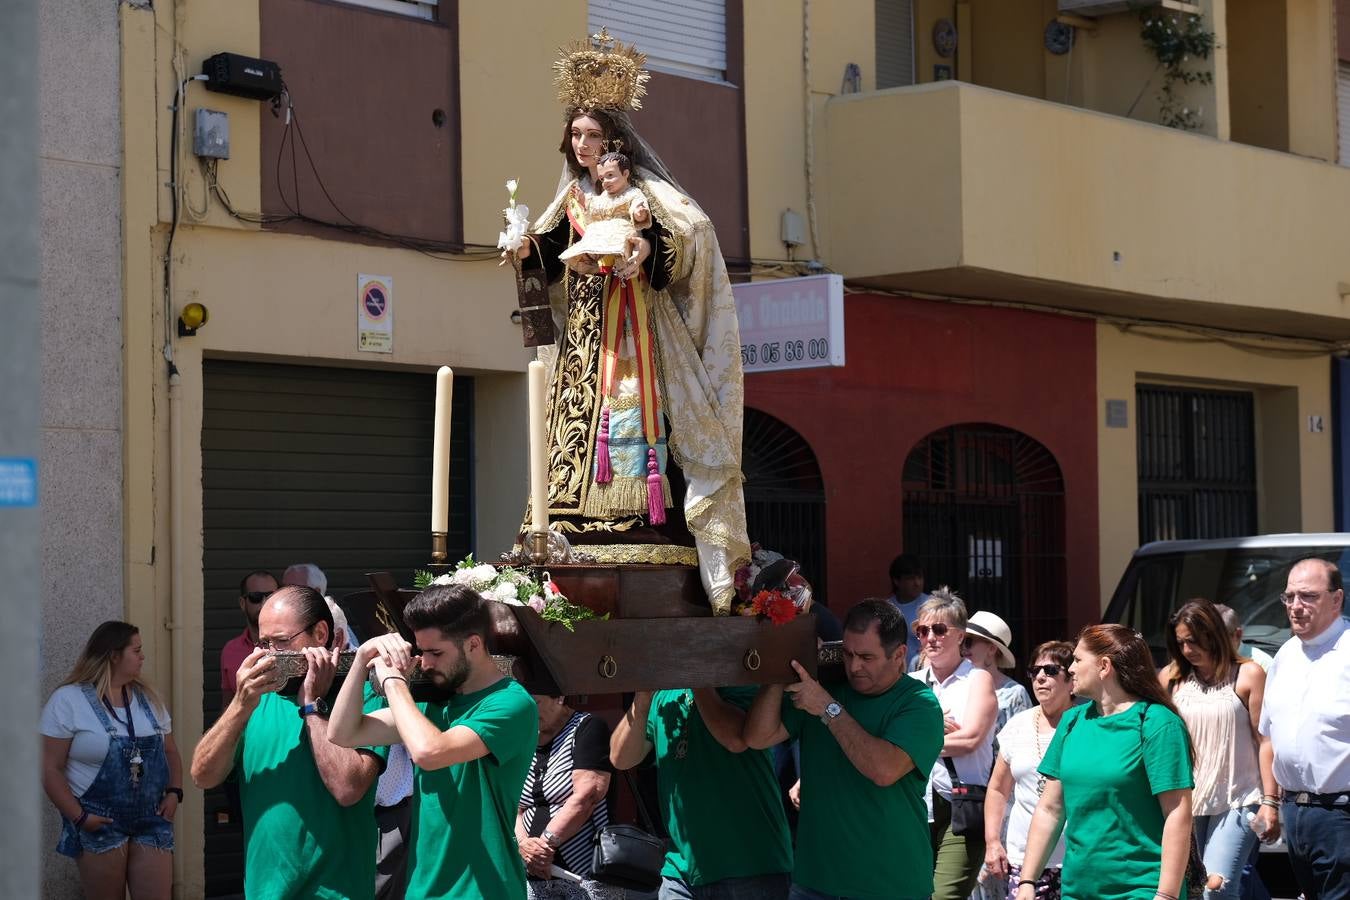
column 538, row 449
column 440, row 452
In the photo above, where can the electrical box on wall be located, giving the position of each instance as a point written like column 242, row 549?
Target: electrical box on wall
column 243, row 76
column 211, row 134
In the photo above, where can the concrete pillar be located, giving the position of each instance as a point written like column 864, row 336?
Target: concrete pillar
column 20, row 369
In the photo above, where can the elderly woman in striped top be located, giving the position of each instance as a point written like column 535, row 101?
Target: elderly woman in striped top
column 562, row 807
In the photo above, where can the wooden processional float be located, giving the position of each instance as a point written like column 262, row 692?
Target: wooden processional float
column 654, row 627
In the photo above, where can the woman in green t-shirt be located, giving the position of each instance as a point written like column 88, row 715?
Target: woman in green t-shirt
column 1119, row 772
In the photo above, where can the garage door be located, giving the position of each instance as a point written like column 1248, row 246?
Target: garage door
column 310, row 464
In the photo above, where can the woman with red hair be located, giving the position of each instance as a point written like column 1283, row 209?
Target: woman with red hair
column 1119, row 770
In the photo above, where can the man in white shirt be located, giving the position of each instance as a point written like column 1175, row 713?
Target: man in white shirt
column 907, row 595
column 1306, row 715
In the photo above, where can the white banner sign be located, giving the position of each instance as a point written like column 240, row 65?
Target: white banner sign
column 791, row 323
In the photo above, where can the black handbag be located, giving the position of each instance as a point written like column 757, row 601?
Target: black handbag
column 967, row 804
column 625, row 855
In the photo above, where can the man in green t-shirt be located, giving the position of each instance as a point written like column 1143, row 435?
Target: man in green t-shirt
column 309, row 806
column 867, row 748
column 470, row 754
column 719, row 800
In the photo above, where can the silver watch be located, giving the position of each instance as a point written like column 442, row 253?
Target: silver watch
column 832, row 711
column 551, row 839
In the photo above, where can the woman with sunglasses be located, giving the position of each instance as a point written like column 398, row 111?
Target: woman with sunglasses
column 969, row 709
column 1119, row 771
column 1021, row 747
column 1219, row 697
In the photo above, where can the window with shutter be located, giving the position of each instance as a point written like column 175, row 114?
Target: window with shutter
column 1343, row 111
column 895, row 43
column 417, row 9
column 681, row 37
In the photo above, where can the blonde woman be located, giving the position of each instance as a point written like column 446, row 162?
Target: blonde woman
column 969, row 708
column 110, row 767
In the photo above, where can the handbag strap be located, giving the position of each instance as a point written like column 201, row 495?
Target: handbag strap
column 641, row 804
column 951, row 770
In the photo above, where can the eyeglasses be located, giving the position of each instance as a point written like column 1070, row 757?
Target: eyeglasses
column 1307, row 598
column 273, row 643
column 938, row 628
column 257, row 596
column 1050, row 669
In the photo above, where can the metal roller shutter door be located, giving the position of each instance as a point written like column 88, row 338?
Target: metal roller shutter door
column 322, row 465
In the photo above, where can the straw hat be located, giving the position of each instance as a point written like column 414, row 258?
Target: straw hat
column 989, row 627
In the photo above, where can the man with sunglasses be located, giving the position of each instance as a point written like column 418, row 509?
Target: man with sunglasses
column 308, row 804
column 1306, row 715
column 254, row 588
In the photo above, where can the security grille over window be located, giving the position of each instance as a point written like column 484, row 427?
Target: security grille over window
column 784, row 495
column 418, row 9
column 895, row 43
column 682, row 37
column 984, row 512
column 1197, row 464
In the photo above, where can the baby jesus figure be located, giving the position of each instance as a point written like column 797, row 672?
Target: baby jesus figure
column 613, row 218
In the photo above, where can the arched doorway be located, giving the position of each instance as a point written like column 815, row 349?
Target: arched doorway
column 984, row 511
column 784, row 494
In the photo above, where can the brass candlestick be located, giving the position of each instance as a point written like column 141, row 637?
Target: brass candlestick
column 440, row 551
column 537, row 547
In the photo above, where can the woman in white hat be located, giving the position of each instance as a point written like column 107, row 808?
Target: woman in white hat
column 990, row 648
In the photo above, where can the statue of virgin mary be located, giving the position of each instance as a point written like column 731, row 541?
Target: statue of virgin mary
column 646, row 392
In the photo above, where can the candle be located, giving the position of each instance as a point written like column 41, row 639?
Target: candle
column 538, row 449
column 440, row 452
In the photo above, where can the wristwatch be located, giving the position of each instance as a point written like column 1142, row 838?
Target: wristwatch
column 551, row 839
column 832, row 711
column 317, row 708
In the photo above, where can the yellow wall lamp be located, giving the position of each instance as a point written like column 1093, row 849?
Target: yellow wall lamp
column 192, row 317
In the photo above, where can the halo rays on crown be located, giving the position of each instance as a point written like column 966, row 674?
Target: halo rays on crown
column 601, row 73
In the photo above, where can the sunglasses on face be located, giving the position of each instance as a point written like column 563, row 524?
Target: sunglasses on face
column 257, row 596
column 1050, row 669
column 938, row 628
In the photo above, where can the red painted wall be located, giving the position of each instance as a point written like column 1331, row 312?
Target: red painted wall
column 915, row 366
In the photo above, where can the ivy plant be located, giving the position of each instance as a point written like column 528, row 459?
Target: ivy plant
column 1178, row 40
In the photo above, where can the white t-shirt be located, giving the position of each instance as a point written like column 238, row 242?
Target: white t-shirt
column 69, row 715
column 1306, row 712
column 1017, row 746
column 954, row 694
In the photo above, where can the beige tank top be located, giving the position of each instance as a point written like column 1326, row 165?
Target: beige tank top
column 1227, row 773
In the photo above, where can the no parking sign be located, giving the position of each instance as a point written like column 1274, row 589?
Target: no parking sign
column 375, row 313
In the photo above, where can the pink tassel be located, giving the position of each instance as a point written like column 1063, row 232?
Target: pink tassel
column 604, row 474
column 656, row 504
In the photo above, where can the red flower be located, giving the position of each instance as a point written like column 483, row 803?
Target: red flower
column 776, row 606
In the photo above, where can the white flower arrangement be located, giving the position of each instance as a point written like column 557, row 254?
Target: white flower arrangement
column 514, row 587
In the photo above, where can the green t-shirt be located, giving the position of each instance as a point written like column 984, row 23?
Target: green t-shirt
column 722, row 810
column 298, row 841
column 855, row 839
column 1112, row 768
column 463, row 841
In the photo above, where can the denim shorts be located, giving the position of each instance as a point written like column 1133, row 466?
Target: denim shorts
column 153, row 831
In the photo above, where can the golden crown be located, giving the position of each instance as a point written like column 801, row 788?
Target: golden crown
column 601, row 73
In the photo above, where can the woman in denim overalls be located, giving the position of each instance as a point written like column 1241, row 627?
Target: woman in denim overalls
column 110, row 767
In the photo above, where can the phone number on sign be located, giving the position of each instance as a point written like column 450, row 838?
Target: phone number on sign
column 771, row 352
